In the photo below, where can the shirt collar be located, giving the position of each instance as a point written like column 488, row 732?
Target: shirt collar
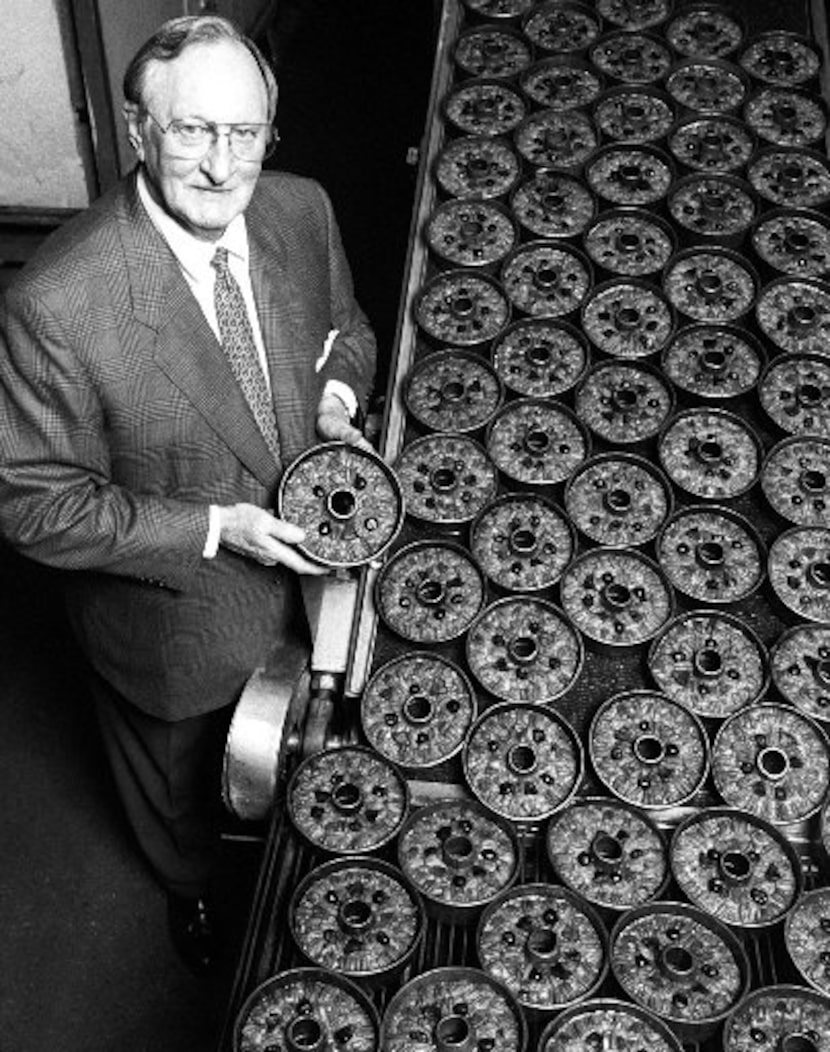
column 193, row 255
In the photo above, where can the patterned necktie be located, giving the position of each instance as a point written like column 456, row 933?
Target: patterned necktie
column 238, row 343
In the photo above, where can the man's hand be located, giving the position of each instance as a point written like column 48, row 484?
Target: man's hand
column 333, row 424
column 257, row 533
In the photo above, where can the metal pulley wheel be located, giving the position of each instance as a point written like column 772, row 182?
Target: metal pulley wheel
column 713, row 362
column 429, row 592
column 537, row 442
column 540, row 358
column 681, row 964
column 462, row 307
column 588, row 1025
column 705, row 30
column 480, row 166
column 716, row 145
column 624, row 174
column 347, row 801
column 562, row 26
column 771, row 761
column 631, row 57
column 736, row 867
column 468, row 233
column 795, row 479
column 799, row 571
column 346, row 499
column 786, row 117
column 618, row 500
column 485, row 107
column 713, row 285
column 307, row 1008
column 794, row 390
column 499, row 9
column 552, row 139
column 522, row 761
column 608, row 852
column 779, row 1017
column 453, row 1008
column 807, row 938
column 616, row 597
column 800, row 668
column 492, row 52
column 358, row 917
column 708, row 86
column 416, row 710
column 458, row 856
column 711, row 554
column 522, row 542
column 522, row 648
column 710, row 662
column 634, row 115
column 630, row 242
column 453, row 390
column 561, row 83
column 624, row 403
column 794, row 241
column 713, row 209
column 784, row 59
column 710, row 453
column 551, row 204
column 634, row 14
column 648, row 750
column 791, row 178
column 446, row 479
column 627, row 318
column 546, row 280
column 544, row 944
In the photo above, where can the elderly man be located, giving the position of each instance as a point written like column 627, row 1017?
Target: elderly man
column 163, row 359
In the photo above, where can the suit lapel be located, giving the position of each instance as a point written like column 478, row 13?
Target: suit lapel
column 186, row 348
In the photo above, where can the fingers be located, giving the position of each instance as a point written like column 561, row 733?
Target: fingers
column 261, row 536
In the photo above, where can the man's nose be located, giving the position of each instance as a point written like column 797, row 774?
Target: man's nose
column 218, row 161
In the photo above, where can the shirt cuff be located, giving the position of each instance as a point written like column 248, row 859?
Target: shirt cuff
column 213, row 534
column 344, row 393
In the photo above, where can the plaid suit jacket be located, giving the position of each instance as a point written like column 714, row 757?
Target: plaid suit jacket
column 122, row 422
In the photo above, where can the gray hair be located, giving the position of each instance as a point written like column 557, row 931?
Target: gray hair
column 171, row 39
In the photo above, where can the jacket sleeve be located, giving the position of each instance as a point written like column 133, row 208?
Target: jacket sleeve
column 352, row 357
column 58, row 503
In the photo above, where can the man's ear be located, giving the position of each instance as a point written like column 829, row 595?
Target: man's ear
column 132, row 117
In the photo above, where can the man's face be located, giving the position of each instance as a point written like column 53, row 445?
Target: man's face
column 217, row 82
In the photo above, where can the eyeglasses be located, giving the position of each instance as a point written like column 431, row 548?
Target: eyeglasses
column 192, row 139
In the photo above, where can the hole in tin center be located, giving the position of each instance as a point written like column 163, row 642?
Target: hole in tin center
column 713, row 201
column 452, row 391
column 735, row 865
column 523, row 649
column 813, row 480
column 443, row 479
column 493, row 48
column 523, row 541
column 648, row 749
column 553, row 201
column 607, row 848
column 347, row 796
column 709, row 450
column 536, row 441
column 430, row 593
column 342, row 503
column 709, row 283
column 629, row 242
column 634, row 110
column 538, row 355
column 792, row 176
column 452, row 1031
column 808, row 395
column 472, row 228
column 797, row 241
column 617, row 596
column 773, row 763
column 618, row 500
column 417, row 709
column 678, row 960
column 710, row 553
column 785, row 113
column 713, row 360
column 627, row 318
column 458, row 849
column 462, row 306
column 478, row 167
column 542, row 942
column 304, row 1034
column 521, row 759
column 546, row 277
column 708, row 662
column 624, row 398
column 712, row 140
column 802, row 316
column 819, row 574
column 355, row 914
column 630, row 173
column 821, row 671
column 798, row 1043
